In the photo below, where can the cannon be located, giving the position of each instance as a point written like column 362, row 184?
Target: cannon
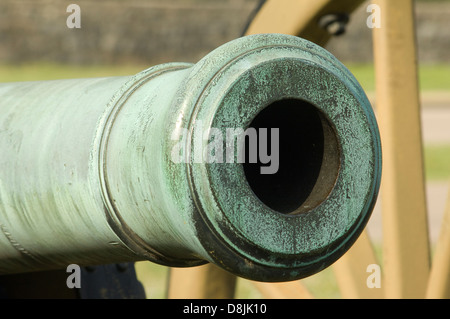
column 263, row 158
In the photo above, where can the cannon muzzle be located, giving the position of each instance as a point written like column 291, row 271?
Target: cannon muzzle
column 263, row 158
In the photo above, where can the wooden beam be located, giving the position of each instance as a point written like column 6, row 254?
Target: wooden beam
column 283, row 290
column 405, row 231
column 299, row 17
column 351, row 271
column 202, row 282
column 439, row 281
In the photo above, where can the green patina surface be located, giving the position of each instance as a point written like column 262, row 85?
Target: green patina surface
column 263, row 72
column 102, row 186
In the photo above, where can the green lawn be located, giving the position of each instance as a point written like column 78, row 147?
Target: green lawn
column 49, row 71
column 437, row 162
column 431, row 77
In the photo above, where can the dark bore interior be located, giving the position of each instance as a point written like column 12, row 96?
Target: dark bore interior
column 309, row 157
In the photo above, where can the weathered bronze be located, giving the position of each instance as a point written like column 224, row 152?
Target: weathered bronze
column 107, row 170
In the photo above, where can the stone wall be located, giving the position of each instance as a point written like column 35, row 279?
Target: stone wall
column 155, row 31
column 116, row 31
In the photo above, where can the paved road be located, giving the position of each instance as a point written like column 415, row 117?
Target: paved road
column 435, row 130
column 436, row 200
column 436, row 124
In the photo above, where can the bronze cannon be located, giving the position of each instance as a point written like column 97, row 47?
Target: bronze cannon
column 165, row 166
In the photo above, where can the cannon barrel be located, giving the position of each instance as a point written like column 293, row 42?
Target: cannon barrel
column 164, row 165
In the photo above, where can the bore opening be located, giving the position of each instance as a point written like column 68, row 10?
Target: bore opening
column 306, row 150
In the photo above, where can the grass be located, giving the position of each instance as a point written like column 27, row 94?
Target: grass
column 51, row 71
column 437, row 162
column 154, row 279
column 431, row 77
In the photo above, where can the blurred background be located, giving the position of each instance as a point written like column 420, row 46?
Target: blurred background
column 123, row 37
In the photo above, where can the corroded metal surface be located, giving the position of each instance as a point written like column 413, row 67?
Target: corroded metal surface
column 88, row 172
